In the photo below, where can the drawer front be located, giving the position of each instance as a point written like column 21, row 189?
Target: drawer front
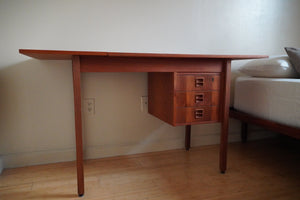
column 195, row 99
column 199, row 114
column 197, row 81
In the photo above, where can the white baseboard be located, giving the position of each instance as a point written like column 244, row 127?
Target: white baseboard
column 100, row 151
column 37, row 158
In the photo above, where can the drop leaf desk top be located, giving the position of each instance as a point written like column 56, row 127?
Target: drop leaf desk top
column 183, row 89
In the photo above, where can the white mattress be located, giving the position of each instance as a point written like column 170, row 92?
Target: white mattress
column 269, row 98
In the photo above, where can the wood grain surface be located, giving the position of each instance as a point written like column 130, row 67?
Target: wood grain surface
column 257, row 170
column 67, row 55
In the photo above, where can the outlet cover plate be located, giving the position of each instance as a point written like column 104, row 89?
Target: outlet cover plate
column 144, row 103
column 89, row 106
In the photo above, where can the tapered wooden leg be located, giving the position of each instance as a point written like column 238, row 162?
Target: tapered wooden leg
column 244, row 132
column 187, row 137
column 78, row 124
column 225, row 116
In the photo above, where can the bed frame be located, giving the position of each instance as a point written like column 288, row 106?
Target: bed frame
column 246, row 118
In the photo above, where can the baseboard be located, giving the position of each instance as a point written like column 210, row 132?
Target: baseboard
column 100, row 151
column 37, row 158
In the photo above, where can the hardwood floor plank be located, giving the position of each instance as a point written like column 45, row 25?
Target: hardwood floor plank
column 259, row 170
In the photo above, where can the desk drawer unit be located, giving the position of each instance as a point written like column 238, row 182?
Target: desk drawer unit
column 184, row 98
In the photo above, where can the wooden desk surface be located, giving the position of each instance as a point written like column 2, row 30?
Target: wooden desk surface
column 67, row 55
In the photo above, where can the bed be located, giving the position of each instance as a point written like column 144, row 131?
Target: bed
column 268, row 100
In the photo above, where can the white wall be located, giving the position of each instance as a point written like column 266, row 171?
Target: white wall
column 36, row 97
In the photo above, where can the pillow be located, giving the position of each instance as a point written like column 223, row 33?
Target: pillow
column 274, row 67
column 294, row 54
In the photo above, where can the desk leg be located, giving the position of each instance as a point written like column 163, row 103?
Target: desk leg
column 78, row 124
column 187, row 137
column 225, row 116
column 244, row 132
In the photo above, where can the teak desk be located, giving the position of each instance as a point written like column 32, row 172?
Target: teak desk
column 183, row 89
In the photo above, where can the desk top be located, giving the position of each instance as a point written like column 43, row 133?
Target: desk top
column 67, row 55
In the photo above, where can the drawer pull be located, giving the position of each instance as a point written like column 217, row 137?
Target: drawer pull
column 199, row 98
column 199, row 82
column 198, row 113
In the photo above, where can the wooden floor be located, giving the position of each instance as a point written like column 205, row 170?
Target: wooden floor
column 268, row 169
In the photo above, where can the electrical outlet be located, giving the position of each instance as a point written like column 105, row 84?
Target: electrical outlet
column 89, row 106
column 144, row 103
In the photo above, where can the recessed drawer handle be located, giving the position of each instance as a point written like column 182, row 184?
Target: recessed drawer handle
column 199, row 82
column 199, row 98
column 199, row 113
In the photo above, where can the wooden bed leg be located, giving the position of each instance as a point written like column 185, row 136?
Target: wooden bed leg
column 187, row 137
column 244, row 132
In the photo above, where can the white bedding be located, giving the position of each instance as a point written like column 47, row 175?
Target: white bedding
column 269, row 98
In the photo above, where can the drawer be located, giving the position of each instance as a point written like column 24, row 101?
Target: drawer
column 199, row 114
column 197, row 81
column 195, row 99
